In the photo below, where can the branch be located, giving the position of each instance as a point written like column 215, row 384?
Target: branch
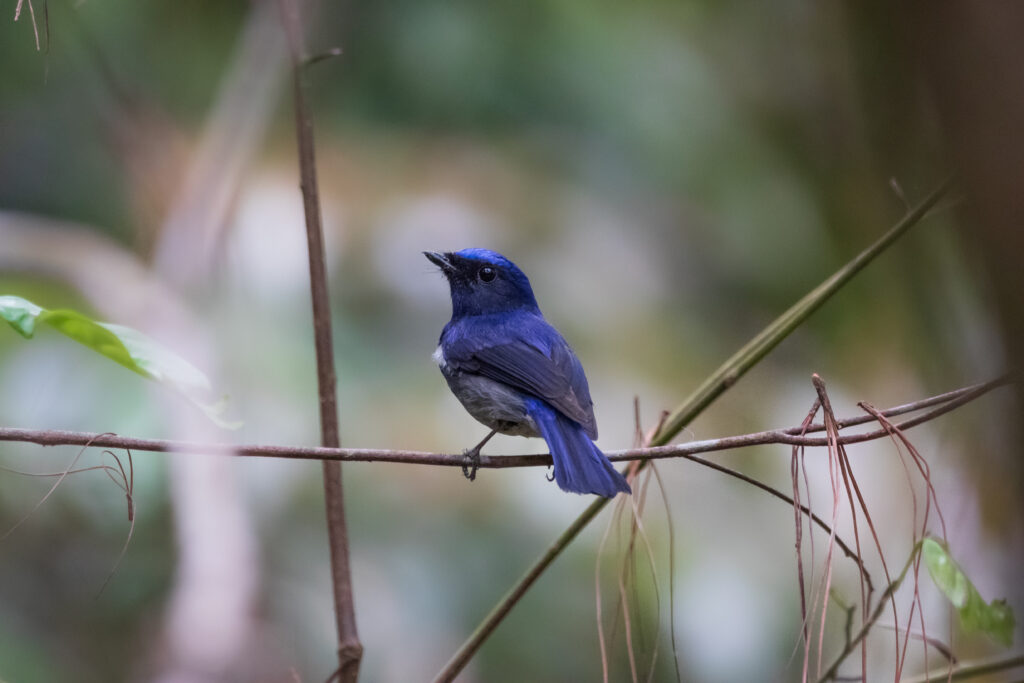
column 963, row 671
column 849, row 552
column 851, row 644
column 772, row 335
column 350, row 650
column 935, row 406
column 939, row 405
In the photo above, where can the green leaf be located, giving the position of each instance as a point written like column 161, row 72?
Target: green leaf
column 88, row 332
column 123, row 345
column 20, row 313
column 945, row 573
column 995, row 619
column 155, row 361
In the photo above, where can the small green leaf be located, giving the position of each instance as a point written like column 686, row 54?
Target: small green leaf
column 155, row 361
column 995, row 619
column 945, row 573
column 20, row 313
column 89, row 333
column 123, row 345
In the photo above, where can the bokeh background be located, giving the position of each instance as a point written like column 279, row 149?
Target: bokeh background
column 671, row 175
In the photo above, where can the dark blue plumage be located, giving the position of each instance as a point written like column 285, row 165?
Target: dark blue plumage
column 515, row 373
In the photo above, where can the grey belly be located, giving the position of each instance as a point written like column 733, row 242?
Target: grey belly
column 494, row 404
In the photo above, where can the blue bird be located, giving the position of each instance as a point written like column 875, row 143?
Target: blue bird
column 515, row 373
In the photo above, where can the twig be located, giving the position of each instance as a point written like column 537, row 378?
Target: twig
column 758, row 347
column 70, row 469
column 931, row 498
column 350, row 650
column 966, row 670
column 123, row 479
column 849, row 552
column 323, row 56
column 883, row 600
column 127, row 484
column 795, row 462
column 936, row 644
column 671, row 572
column 505, row 605
column 941, row 404
column 851, row 486
column 849, row 610
column 32, row 14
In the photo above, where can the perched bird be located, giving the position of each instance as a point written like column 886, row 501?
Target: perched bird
column 515, row 373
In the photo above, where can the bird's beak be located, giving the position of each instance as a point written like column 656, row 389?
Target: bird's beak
column 442, row 261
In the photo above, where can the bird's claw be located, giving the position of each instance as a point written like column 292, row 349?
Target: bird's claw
column 550, row 476
column 471, row 463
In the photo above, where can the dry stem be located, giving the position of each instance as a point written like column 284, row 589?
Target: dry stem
column 350, row 650
column 936, row 405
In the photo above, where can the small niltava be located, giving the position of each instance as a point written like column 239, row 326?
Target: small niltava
column 515, row 373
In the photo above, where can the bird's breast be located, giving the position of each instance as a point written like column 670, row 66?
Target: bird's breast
column 492, row 403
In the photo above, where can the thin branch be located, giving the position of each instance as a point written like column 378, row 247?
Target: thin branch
column 671, row 572
column 758, row 347
column 323, row 56
column 70, row 469
column 803, row 509
column 32, row 15
column 966, row 670
column 350, row 650
column 880, row 606
column 123, row 479
column 505, row 605
column 940, row 405
column 936, row 644
column 797, row 464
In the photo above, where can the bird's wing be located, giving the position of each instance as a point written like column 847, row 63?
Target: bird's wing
column 530, row 356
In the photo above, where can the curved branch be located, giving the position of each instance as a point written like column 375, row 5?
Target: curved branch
column 934, row 406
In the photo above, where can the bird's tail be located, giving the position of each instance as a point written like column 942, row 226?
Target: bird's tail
column 580, row 466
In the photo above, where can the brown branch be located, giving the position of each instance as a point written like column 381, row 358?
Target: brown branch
column 934, row 406
column 509, row 600
column 865, row 628
column 965, row 670
column 350, row 650
column 800, row 506
column 939, row 405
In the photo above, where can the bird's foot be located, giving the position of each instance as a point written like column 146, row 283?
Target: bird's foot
column 471, row 463
column 550, row 476
column 471, row 457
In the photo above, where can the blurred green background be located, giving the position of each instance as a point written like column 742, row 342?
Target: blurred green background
column 671, row 175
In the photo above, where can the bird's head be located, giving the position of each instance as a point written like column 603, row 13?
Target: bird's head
column 483, row 281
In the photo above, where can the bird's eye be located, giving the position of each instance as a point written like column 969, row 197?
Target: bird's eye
column 487, row 274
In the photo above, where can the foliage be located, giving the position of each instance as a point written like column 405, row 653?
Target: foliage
column 123, row 345
column 992, row 618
